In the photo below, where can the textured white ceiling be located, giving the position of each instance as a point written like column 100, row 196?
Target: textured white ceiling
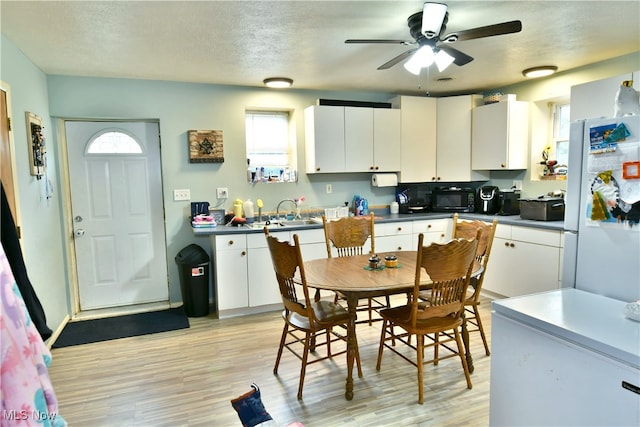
column 243, row 42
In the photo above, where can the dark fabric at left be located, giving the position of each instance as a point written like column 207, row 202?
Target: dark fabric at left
column 12, row 248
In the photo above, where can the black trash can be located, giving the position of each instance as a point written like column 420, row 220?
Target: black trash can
column 193, row 266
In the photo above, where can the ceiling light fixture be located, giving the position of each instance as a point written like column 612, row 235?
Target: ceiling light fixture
column 421, row 59
column 425, row 56
column 443, row 60
column 534, row 72
column 432, row 18
column 278, row 82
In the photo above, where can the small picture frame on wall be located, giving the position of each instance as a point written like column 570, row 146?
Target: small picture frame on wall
column 205, row 146
column 37, row 148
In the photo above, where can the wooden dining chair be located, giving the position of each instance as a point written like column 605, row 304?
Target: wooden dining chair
column 449, row 267
column 348, row 236
column 467, row 230
column 305, row 321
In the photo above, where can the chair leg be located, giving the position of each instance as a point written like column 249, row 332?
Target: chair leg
column 479, row 322
column 463, row 359
column 382, row 337
column 328, row 333
column 420, row 355
column 436, row 347
column 282, row 341
column 370, row 305
column 303, row 369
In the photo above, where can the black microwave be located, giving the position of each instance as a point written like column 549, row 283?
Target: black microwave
column 453, row 199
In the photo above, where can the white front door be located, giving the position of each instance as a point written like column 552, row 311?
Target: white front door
column 118, row 213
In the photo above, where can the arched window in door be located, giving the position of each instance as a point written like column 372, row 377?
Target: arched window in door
column 113, row 141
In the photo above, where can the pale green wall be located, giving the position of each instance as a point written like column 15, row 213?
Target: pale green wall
column 42, row 240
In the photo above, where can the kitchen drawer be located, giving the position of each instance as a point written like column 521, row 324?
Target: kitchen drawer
column 231, row 242
column 431, row 226
column 536, row 236
column 258, row 240
column 393, row 229
column 315, row 235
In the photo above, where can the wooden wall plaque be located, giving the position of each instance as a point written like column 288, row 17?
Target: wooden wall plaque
column 205, row 146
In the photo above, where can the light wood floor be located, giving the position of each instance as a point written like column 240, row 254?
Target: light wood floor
column 188, row 377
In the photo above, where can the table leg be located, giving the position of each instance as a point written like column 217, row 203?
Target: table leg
column 465, row 340
column 352, row 343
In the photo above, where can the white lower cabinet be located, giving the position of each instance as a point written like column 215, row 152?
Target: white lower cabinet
column 394, row 236
column 244, row 276
column 523, row 261
column 262, row 284
column 230, row 265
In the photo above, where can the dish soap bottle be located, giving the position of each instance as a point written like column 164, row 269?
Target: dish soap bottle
column 237, row 208
column 248, row 210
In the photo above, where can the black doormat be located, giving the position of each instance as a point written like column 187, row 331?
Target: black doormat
column 131, row 325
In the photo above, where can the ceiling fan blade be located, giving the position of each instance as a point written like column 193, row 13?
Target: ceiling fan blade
column 378, row 41
column 459, row 58
column 487, row 31
column 397, row 59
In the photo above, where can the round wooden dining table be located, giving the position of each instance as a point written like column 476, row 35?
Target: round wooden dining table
column 354, row 279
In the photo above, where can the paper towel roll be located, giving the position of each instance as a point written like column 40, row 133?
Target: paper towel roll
column 384, row 180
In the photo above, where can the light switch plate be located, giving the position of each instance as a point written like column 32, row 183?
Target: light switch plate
column 183, row 194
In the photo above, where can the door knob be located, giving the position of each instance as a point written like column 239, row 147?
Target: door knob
column 79, row 232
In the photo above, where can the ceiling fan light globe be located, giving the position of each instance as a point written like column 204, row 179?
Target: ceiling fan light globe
column 413, row 66
column 433, row 15
column 443, row 60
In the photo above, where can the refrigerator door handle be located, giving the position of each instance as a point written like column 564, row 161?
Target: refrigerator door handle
column 569, row 260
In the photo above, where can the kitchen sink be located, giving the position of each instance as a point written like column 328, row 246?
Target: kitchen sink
column 298, row 222
column 283, row 223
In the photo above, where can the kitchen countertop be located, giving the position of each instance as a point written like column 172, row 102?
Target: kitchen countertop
column 382, row 218
column 589, row 320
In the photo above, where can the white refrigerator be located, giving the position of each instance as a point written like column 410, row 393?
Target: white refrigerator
column 602, row 234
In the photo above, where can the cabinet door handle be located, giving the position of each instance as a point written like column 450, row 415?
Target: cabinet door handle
column 429, row 226
column 230, row 242
column 506, row 244
column 399, row 248
column 243, row 253
column 317, row 168
column 433, row 178
column 502, row 165
column 438, row 179
column 512, row 245
column 377, row 167
column 399, row 228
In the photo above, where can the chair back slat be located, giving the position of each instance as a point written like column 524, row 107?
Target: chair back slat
column 449, row 266
column 467, row 230
column 349, row 235
column 287, row 260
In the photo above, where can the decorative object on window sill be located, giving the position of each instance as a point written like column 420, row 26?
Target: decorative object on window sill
column 205, row 146
column 278, row 82
column 552, row 171
column 542, row 71
column 37, row 149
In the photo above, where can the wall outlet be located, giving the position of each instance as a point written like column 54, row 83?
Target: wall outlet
column 184, row 194
column 222, row 193
column 517, row 184
column 329, row 189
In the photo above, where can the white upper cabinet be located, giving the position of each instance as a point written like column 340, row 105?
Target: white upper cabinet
column 386, row 140
column 453, row 135
column 351, row 139
column 358, row 136
column 324, row 139
column 418, row 138
column 500, row 136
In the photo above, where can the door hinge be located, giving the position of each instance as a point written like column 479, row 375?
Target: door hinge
column 9, row 123
column 19, row 231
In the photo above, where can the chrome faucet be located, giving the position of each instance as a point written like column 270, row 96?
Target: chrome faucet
column 280, row 203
